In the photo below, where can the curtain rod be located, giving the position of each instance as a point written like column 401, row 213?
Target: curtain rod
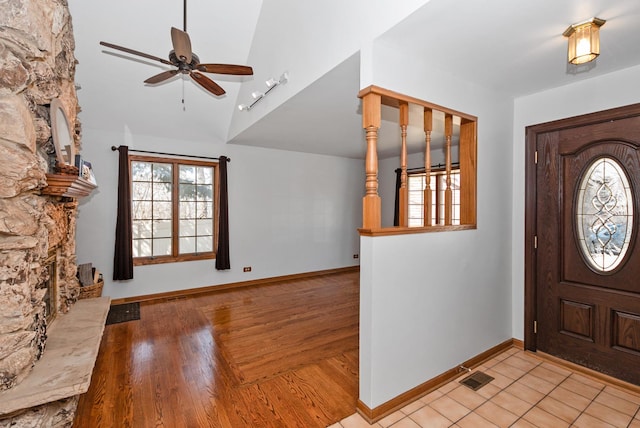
column 114, row 148
column 436, row 166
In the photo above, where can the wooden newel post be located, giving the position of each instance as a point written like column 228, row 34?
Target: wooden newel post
column 428, row 127
column 448, row 195
column 404, row 192
column 371, row 209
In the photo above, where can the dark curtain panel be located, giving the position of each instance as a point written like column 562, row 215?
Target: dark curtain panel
column 222, row 255
column 396, row 212
column 123, row 256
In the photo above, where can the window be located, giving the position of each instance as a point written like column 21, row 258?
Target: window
column 416, row 185
column 173, row 211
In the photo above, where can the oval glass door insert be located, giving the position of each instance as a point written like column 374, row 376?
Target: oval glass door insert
column 604, row 214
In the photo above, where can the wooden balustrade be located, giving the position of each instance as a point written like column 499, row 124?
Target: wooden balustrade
column 373, row 98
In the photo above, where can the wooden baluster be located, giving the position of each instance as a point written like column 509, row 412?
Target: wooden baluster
column 371, row 210
column 448, row 195
column 428, row 127
column 404, row 193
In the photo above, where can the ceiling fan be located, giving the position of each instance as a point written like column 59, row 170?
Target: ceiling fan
column 187, row 62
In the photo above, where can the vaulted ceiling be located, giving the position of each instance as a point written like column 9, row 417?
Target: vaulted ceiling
column 510, row 46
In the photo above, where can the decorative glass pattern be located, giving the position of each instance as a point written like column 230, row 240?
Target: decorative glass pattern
column 604, row 214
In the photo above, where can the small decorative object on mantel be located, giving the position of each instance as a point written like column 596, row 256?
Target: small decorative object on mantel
column 91, row 281
column 63, row 168
column 85, row 170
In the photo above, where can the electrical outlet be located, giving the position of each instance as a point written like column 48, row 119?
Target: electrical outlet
column 355, row 256
column 246, row 269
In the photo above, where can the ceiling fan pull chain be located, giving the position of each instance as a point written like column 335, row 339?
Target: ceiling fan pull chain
column 184, row 107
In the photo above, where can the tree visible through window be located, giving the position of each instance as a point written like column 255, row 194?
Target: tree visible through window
column 416, row 185
column 173, row 210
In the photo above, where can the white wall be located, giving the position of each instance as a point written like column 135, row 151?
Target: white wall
column 587, row 96
column 431, row 301
column 288, row 213
column 308, row 39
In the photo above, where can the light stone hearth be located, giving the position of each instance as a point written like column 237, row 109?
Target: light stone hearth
column 65, row 369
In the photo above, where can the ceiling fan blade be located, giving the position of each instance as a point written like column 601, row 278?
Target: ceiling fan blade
column 243, row 70
column 162, row 76
column 181, row 44
column 131, row 51
column 207, row 83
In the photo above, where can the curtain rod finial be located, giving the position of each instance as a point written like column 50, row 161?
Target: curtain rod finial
column 114, row 148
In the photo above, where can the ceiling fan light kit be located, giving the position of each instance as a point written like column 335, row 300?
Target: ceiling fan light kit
column 187, row 62
column 257, row 96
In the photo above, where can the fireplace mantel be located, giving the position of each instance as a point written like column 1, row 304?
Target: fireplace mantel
column 67, row 364
column 69, row 185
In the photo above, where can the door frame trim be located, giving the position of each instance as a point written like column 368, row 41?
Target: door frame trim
column 530, row 218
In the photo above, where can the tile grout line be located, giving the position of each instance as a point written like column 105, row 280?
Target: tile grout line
column 453, row 423
column 501, row 390
column 590, row 403
column 611, row 408
column 532, row 406
column 600, row 391
column 635, row 415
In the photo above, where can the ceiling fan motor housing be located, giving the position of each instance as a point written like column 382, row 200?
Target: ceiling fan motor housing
column 182, row 66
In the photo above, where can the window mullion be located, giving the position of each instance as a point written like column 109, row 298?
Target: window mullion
column 175, row 209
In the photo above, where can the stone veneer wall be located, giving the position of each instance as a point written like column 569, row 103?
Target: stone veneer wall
column 58, row 414
column 37, row 64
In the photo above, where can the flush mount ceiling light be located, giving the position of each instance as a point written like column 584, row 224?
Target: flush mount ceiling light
column 584, row 40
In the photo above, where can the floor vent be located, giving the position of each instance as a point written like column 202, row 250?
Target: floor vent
column 123, row 313
column 476, row 380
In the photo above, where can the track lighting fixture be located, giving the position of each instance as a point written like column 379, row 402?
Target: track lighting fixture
column 257, row 95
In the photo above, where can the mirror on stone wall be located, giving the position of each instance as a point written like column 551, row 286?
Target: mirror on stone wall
column 61, row 132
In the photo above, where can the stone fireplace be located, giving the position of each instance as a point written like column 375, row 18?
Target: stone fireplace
column 51, row 286
column 37, row 230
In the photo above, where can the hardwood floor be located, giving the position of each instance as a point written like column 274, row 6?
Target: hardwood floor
column 278, row 355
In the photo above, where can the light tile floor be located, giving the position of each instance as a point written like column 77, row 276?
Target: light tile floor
column 527, row 392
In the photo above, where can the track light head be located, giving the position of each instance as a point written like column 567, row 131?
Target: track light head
column 271, row 82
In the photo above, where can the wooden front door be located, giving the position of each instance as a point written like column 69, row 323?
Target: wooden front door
column 583, row 258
